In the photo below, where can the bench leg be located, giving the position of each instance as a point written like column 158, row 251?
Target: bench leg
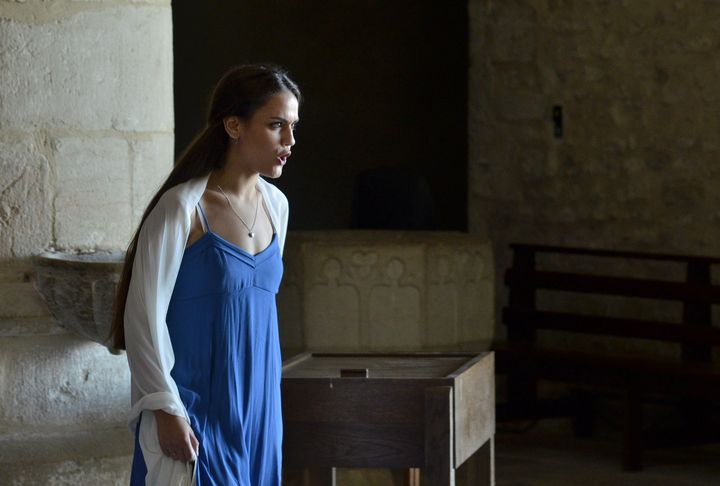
column 632, row 440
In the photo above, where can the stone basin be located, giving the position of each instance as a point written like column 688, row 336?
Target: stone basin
column 79, row 290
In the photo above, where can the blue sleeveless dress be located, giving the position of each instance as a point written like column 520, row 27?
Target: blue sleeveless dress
column 222, row 322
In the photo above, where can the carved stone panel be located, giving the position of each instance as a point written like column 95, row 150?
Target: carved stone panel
column 386, row 291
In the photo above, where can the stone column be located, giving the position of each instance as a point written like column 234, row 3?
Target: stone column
column 86, row 135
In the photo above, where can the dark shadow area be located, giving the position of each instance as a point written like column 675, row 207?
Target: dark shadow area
column 385, row 86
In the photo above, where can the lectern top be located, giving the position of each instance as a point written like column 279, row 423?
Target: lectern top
column 395, row 365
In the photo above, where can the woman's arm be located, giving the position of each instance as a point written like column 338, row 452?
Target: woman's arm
column 176, row 438
column 160, row 247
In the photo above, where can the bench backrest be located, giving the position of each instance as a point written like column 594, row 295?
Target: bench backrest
column 696, row 293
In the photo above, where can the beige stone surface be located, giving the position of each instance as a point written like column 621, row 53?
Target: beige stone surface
column 20, row 299
column 89, row 471
column 29, row 326
column 395, row 318
column 337, row 324
column 86, row 121
column 61, row 380
column 392, row 291
column 86, row 71
column 25, row 196
column 92, row 201
column 20, row 304
column 60, row 444
column 152, row 161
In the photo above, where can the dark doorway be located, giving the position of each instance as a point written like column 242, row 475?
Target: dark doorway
column 385, row 86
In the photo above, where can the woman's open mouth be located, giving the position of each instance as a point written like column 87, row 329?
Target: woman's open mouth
column 282, row 158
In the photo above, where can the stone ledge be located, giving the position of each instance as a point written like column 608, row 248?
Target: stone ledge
column 21, row 300
column 61, row 381
column 56, row 444
column 16, row 270
column 30, row 326
column 91, row 471
column 66, row 455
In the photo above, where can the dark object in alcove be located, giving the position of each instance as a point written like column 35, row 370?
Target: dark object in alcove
column 392, row 198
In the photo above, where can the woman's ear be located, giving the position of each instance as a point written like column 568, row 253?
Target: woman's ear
column 233, row 127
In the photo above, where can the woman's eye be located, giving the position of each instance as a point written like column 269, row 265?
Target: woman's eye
column 276, row 124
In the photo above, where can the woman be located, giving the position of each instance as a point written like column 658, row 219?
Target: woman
column 196, row 301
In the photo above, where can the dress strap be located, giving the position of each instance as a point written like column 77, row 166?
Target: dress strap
column 206, row 225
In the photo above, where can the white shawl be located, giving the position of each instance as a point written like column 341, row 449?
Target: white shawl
column 159, row 252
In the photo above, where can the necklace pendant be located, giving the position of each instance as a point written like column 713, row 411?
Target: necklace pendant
column 251, row 234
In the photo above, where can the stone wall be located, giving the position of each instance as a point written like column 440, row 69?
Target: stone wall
column 86, row 120
column 636, row 167
column 86, row 135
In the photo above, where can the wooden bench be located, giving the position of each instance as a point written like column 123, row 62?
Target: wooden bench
column 694, row 377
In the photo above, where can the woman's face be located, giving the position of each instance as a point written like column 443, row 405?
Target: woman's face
column 266, row 139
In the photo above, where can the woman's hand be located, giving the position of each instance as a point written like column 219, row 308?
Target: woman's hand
column 176, row 438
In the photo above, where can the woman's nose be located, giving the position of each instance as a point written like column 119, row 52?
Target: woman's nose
column 288, row 139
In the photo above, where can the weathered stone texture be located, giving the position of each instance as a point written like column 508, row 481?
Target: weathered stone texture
column 93, row 192
column 86, row 120
column 80, row 290
column 20, row 300
column 638, row 82
column 84, row 71
column 385, row 291
column 25, row 213
column 151, row 163
column 61, row 380
column 74, row 472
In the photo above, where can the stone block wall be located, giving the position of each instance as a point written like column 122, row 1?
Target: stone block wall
column 86, row 121
column 636, row 167
column 86, row 135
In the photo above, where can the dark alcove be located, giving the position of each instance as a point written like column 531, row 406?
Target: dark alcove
column 385, row 87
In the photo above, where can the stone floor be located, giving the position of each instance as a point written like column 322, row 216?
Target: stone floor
column 544, row 456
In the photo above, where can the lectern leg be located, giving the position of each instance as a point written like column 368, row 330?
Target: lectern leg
column 405, row 477
column 439, row 427
column 414, row 476
column 485, row 464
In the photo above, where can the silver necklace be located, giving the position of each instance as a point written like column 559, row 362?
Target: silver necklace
column 251, row 233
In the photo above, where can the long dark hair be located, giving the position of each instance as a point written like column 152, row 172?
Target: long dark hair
column 240, row 92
